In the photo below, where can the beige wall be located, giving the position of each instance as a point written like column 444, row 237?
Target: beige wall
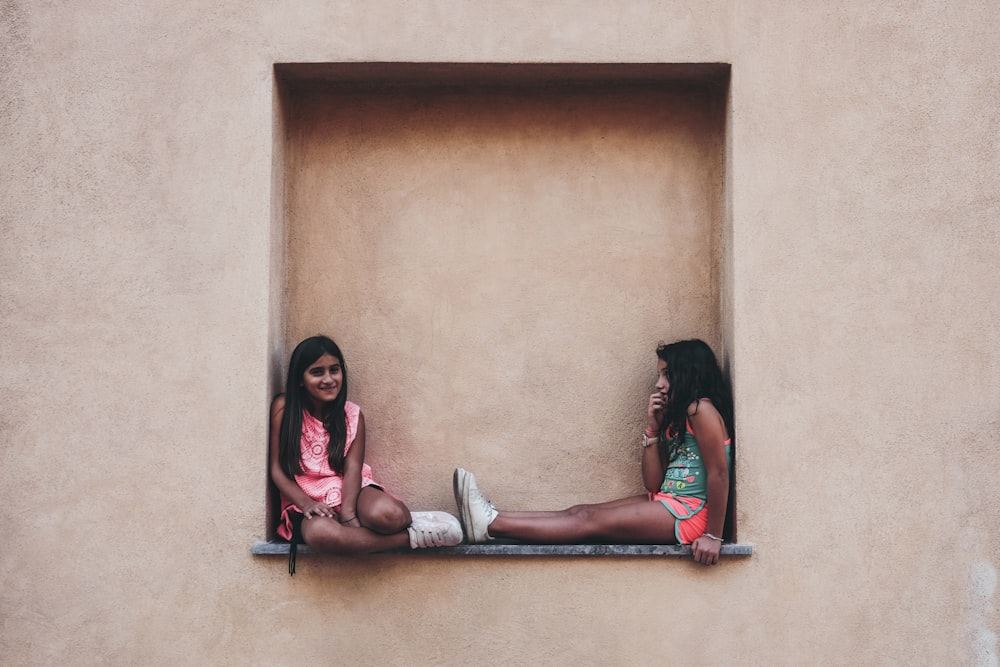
column 144, row 312
column 497, row 261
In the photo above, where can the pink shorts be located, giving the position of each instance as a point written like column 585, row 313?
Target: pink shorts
column 690, row 515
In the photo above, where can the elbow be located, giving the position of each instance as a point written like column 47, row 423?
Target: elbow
column 722, row 472
column 719, row 475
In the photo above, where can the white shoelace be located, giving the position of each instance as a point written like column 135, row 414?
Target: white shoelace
column 491, row 510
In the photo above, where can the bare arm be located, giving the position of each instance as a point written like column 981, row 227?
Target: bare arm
column 710, row 431
column 352, row 476
column 653, row 466
column 286, row 484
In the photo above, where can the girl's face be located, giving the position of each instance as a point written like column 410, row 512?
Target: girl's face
column 323, row 380
column 662, row 381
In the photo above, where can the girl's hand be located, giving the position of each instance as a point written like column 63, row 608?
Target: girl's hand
column 706, row 550
column 654, row 413
column 316, row 508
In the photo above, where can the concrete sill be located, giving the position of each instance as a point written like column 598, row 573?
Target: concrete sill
column 518, row 549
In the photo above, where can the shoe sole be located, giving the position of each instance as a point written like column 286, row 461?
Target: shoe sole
column 456, row 489
column 460, row 484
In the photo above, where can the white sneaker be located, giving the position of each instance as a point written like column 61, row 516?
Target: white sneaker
column 476, row 511
column 434, row 529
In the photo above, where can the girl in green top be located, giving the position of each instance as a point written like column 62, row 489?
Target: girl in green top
column 686, row 469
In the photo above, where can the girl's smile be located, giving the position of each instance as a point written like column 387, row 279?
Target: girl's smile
column 323, row 380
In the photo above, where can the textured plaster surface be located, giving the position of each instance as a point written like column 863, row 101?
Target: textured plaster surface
column 141, row 325
column 488, row 260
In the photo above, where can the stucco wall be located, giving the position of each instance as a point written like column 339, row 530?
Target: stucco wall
column 496, row 260
column 144, row 314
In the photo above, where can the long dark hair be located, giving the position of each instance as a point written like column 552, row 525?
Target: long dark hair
column 693, row 373
column 334, row 419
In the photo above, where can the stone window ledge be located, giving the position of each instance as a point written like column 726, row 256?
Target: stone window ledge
column 517, row 549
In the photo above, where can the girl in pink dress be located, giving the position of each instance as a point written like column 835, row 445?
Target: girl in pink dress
column 317, row 460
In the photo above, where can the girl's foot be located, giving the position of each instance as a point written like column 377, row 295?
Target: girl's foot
column 434, row 529
column 476, row 512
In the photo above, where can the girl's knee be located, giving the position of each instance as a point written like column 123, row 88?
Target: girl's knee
column 387, row 516
column 584, row 515
column 590, row 521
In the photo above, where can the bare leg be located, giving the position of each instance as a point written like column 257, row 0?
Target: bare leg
column 546, row 514
column 381, row 513
column 326, row 535
column 383, row 527
column 628, row 520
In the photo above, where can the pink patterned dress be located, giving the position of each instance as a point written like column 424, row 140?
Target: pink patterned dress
column 318, row 479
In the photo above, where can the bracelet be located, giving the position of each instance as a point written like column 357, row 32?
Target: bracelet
column 649, row 440
column 651, row 435
column 343, row 521
column 711, row 537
